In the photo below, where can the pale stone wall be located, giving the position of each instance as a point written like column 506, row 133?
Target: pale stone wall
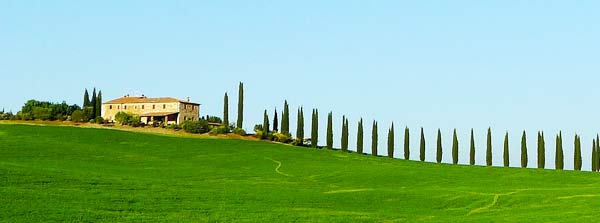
column 110, row 110
column 189, row 112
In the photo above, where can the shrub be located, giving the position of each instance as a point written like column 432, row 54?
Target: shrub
column 77, row 116
column 171, row 126
column 219, row 130
column 195, row 126
column 99, row 120
column 280, row 137
column 239, row 131
column 258, row 134
column 128, row 119
column 258, row 127
column 214, row 119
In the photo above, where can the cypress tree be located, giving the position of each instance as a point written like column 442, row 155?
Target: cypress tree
column 390, row 143
column 275, row 122
column 597, row 153
column 86, row 99
column 438, row 156
column 225, row 110
column 422, row 146
column 454, row 148
column 577, row 156
column 406, row 143
column 488, row 153
column 374, row 138
column 285, row 119
column 330, row 130
column 314, row 136
column 99, row 104
column 359, row 137
column 265, row 125
column 594, row 167
column 300, row 126
column 472, row 150
column 344, row 134
column 559, row 157
column 524, row 157
column 240, row 117
column 542, row 152
column 93, row 105
column 506, row 152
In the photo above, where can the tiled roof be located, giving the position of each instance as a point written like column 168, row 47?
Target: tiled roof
column 129, row 100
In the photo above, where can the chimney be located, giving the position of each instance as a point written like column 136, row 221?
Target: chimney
column 188, row 99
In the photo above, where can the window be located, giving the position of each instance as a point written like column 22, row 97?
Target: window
column 125, row 107
column 142, row 106
column 164, row 106
column 118, row 107
column 153, row 106
column 110, row 107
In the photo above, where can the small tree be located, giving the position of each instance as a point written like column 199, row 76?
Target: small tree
column 314, row 136
column 374, row 138
column 240, row 117
column 506, row 152
column 406, row 144
column 524, row 157
column 438, row 156
column 86, row 99
column 285, row 120
column 266, row 126
column 344, row 134
column 390, row 142
column 93, row 104
column 488, row 153
column 422, row 146
column 577, row 157
column 98, row 105
column 559, row 157
column 275, row 122
column 359, row 137
column 225, row 110
column 330, row 130
column 454, row 148
column 472, row 150
column 541, row 151
column 300, row 126
column 594, row 158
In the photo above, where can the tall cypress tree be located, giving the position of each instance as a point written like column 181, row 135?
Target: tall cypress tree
column 390, row 143
column 559, row 157
column 454, row 148
column 594, row 167
column 374, row 138
column 488, row 153
column 99, row 104
column 330, row 130
column 240, row 117
column 524, row 157
column 275, row 122
column 265, row 125
column 314, row 136
column 422, row 146
column 472, row 150
column 86, row 99
column 542, row 152
column 226, row 110
column 359, row 137
column 438, row 156
column 344, row 134
column 597, row 153
column 506, row 155
column 577, row 156
column 300, row 126
column 93, row 105
column 406, row 143
column 285, row 119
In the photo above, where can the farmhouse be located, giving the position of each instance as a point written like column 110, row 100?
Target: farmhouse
column 165, row 110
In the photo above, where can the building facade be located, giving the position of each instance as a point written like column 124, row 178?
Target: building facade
column 163, row 110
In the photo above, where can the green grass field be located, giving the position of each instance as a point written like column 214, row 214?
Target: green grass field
column 50, row 173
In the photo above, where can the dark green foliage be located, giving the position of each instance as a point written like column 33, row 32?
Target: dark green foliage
column 360, row 138
column 344, row 142
column 406, row 144
column 438, row 156
column 330, row 130
column 285, row 119
column 240, row 117
column 98, row 105
column 594, row 157
column 124, row 118
column 577, row 154
column 266, row 127
column 559, row 161
column 524, row 157
column 488, row 152
column 200, row 126
column 422, row 146
column 374, row 139
column 43, row 110
column 506, row 154
column 300, row 126
column 454, row 148
column 472, row 150
column 86, row 99
column 226, row 110
column 390, row 142
column 314, row 136
column 597, row 153
column 93, row 104
column 78, row 116
column 541, row 151
column 275, row 122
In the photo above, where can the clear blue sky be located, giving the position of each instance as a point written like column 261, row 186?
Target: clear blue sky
column 511, row 65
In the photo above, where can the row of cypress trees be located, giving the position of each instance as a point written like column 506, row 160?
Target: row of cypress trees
column 94, row 104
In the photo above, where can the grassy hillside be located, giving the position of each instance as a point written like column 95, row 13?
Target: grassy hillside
column 76, row 174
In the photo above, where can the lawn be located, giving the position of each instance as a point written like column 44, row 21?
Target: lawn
column 57, row 173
